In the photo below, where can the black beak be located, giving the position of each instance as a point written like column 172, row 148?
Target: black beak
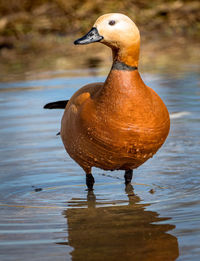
column 91, row 37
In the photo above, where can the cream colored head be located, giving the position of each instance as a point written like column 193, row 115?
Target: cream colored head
column 120, row 33
column 118, row 30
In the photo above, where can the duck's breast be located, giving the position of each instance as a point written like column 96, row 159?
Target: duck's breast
column 130, row 122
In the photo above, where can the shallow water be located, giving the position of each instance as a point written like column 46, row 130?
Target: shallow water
column 159, row 220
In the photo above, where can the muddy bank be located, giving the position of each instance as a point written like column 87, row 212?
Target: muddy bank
column 20, row 18
column 39, row 35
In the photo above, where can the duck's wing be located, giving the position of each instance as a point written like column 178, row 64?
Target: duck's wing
column 56, row 105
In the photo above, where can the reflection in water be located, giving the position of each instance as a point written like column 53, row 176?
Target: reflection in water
column 119, row 233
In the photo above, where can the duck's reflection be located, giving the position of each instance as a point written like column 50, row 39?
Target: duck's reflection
column 119, row 233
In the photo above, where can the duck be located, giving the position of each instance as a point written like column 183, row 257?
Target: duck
column 118, row 124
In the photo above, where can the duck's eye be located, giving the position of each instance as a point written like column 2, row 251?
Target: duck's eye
column 111, row 22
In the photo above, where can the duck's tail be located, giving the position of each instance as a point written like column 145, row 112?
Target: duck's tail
column 56, row 105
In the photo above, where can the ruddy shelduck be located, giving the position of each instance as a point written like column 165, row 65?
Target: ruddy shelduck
column 120, row 123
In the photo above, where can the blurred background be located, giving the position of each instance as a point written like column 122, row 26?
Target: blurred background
column 39, row 34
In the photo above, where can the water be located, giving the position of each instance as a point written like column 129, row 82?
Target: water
column 46, row 214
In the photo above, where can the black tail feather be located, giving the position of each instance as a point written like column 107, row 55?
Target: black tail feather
column 56, row 105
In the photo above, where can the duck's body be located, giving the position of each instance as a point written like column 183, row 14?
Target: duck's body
column 114, row 125
column 121, row 123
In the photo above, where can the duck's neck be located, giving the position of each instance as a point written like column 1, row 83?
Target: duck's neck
column 127, row 55
column 124, row 78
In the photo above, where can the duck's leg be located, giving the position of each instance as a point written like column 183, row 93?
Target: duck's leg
column 89, row 178
column 89, row 181
column 128, row 176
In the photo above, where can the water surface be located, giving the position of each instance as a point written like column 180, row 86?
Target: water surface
column 46, row 214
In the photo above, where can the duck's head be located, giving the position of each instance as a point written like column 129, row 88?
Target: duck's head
column 120, row 33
